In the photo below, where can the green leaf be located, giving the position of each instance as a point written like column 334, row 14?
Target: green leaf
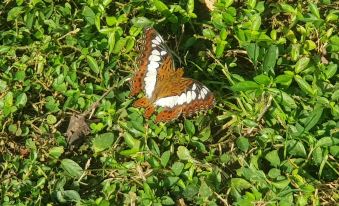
column 208, row 33
column 327, row 142
column 296, row 148
column 93, row 64
column 312, row 119
column 103, row 142
column 284, row 79
column 71, row 195
column 301, row 64
column 177, row 168
column 14, row 13
column 335, row 95
column 251, row 3
column 314, row 10
column 119, row 45
column 331, row 70
column 281, row 184
column 21, row 100
column 274, row 172
column 189, row 127
column 270, row 59
column 165, row 158
column 304, row 86
column 71, row 168
column 205, row 191
column 240, row 184
column 243, row 144
column 273, row 158
column 160, row 5
column 56, row 152
column 310, row 45
column 262, row 79
column 245, row 86
column 253, row 51
column 130, row 141
column 183, row 153
column 166, row 200
column 288, row 8
column 51, row 119
column 220, row 48
column 89, row 15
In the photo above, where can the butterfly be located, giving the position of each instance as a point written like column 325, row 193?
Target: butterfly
column 163, row 84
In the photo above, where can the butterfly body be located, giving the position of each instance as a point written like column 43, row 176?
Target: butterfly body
column 163, row 85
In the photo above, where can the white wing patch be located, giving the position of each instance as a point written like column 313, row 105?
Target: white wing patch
column 196, row 92
column 154, row 62
column 167, row 101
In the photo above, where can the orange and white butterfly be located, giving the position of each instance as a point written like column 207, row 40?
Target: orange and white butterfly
column 164, row 85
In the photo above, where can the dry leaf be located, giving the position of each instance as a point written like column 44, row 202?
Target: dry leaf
column 77, row 128
column 210, row 4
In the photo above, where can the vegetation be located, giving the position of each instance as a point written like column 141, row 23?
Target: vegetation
column 271, row 139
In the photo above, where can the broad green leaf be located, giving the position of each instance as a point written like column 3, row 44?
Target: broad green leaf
column 51, row 119
column 70, row 195
column 312, row 119
column 335, row 95
column 288, row 8
column 93, row 64
column 119, row 45
column 240, row 184
column 165, row 158
column 273, row 158
column 103, row 142
column 130, row 141
column 327, row 142
column 166, row 200
column 177, row 168
column 253, row 51
column 331, row 70
column 301, row 64
column 205, row 191
column 251, row 3
column 21, row 100
column 220, row 48
column 262, row 79
column 160, row 5
column 71, row 168
column 274, row 172
column 243, row 144
column 142, row 21
column 310, row 45
column 284, row 79
column 270, row 59
column 14, row 13
column 56, row 152
column 281, row 184
column 314, row 10
column 89, row 15
column 183, row 153
column 245, row 86
column 304, row 86
column 296, row 148
column 189, row 127
column 208, row 33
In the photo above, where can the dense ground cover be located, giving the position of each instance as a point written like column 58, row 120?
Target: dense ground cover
column 271, row 139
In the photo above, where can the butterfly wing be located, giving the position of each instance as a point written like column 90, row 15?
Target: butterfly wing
column 192, row 97
column 153, row 54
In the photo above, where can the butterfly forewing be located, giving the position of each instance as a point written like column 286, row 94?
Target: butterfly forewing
column 152, row 54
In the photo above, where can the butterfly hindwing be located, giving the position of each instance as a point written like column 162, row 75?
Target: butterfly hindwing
column 195, row 97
